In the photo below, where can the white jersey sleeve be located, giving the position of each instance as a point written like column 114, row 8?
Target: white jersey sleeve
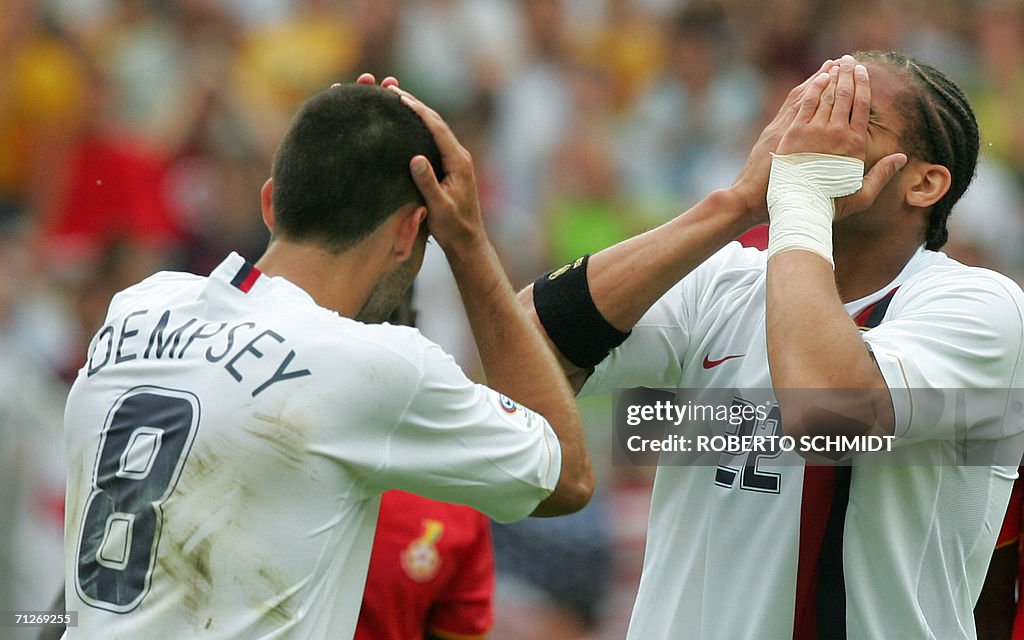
column 665, row 338
column 949, row 328
column 651, row 355
column 403, row 415
column 453, row 437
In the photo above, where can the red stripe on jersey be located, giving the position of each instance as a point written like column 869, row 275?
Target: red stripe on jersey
column 246, row 277
column 823, row 492
column 815, row 506
column 756, row 237
column 871, row 315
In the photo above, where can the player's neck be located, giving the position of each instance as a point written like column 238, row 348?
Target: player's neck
column 862, row 270
column 341, row 282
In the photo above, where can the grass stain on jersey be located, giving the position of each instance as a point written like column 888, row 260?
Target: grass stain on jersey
column 284, row 438
column 278, row 609
column 189, row 568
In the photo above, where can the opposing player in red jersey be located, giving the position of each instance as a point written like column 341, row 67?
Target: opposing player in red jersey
column 431, row 572
column 999, row 614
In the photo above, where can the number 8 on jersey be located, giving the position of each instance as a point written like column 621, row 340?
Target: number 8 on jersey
column 146, row 438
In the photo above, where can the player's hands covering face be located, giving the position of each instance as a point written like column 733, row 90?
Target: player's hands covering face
column 752, row 183
column 832, row 118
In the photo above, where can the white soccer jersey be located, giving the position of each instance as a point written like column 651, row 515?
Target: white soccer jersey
column 733, row 550
column 228, row 441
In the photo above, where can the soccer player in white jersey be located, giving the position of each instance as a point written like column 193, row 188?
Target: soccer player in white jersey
column 787, row 550
column 229, row 437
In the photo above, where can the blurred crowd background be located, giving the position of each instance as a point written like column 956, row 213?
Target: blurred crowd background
column 135, row 135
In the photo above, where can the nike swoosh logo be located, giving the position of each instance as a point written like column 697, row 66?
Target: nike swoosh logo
column 710, row 364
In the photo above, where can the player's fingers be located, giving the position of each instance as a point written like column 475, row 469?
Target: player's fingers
column 798, row 90
column 883, row 171
column 875, row 180
column 792, row 102
column 825, row 66
column 426, row 181
column 390, row 81
column 811, row 98
column 446, row 141
column 828, row 97
column 861, row 111
column 364, row 78
column 844, row 91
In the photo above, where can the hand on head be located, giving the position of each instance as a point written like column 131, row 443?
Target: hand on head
column 369, row 78
column 452, row 204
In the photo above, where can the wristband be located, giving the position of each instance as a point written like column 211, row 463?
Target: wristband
column 801, row 192
column 571, row 319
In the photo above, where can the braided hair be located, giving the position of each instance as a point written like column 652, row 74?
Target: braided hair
column 941, row 129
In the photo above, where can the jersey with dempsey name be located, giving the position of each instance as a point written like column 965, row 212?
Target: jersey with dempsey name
column 741, row 546
column 228, row 442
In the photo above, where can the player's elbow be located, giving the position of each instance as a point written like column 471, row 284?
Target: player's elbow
column 579, row 492
column 576, row 375
column 809, row 413
column 571, row 495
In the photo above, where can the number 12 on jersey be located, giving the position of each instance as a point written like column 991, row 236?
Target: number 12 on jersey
column 147, row 437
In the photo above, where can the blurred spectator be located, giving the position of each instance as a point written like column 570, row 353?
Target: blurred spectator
column 628, row 44
column 31, row 458
column 42, row 95
column 553, row 575
column 997, row 86
column 533, row 110
column 376, row 22
column 158, row 63
column 780, row 42
column 105, row 186
column 584, row 209
column 280, row 63
column 454, row 53
column 987, row 228
column 689, row 131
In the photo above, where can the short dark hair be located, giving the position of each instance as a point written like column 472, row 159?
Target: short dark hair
column 941, row 128
column 343, row 166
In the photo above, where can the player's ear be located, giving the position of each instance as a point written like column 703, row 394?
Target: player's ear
column 267, row 203
column 410, row 220
column 929, row 183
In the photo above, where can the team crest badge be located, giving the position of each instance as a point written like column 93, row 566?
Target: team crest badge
column 421, row 560
column 507, row 404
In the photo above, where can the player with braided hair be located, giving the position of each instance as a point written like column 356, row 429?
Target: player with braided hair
column 940, row 128
column 850, row 323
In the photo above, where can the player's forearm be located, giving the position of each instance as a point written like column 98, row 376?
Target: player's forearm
column 814, row 345
column 517, row 363
column 626, row 279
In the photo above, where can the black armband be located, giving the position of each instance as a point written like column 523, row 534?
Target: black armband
column 570, row 317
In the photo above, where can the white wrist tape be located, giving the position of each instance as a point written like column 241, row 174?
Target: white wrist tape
column 801, row 192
